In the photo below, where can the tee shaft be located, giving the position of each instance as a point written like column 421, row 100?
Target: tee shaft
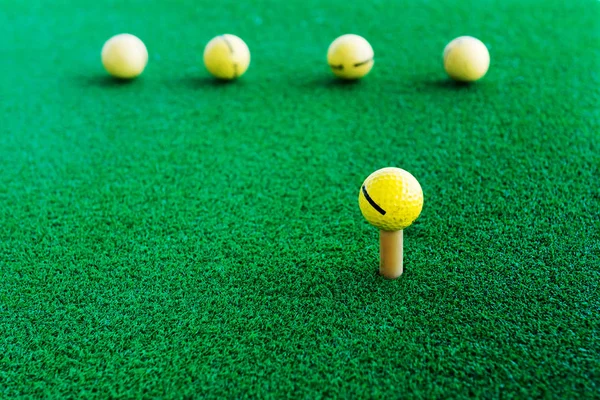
column 391, row 254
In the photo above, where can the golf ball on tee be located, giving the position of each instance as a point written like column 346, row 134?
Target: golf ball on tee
column 390, row 199
column 124, row 56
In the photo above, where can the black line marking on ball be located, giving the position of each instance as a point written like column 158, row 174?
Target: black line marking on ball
column 235, row 70
column 338, row 67
column 371, row 202
column 363, row 62
column 229, row 45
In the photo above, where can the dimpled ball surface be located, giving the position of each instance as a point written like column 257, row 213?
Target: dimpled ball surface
column 350, row 57
column 124, row 56
column 466, row 59
column 397, row 193
column 226, row 57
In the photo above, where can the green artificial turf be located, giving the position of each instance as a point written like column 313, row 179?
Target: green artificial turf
column 177, row 237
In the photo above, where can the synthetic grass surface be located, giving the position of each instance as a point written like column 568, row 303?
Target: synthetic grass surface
column 174, row 236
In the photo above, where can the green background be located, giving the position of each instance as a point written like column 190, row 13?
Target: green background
column 175, row 236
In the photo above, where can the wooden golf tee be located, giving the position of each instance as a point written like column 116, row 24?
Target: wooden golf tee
column 391, row 254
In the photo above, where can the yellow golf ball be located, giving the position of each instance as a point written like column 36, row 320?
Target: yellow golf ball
column 226, row 57
column 124, row 56
column 466, row 59
column 390, row 199
column 350, row 57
